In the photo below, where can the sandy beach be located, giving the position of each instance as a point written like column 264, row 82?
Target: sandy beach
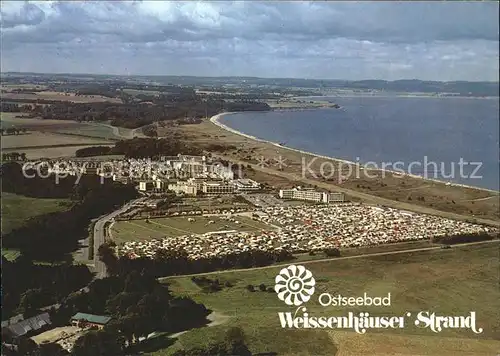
column 215, row 120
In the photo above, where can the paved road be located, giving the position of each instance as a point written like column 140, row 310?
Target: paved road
column 100, row 236
column 335, row 259
column 364, row 196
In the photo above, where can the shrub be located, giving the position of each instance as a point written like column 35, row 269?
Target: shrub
column 332, row 252
column 262, row 287
column 250, row 288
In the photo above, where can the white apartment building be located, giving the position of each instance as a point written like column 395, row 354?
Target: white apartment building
column 183, row 158
column 144, row 186
column 194, row 169
column 245, row 185
column 217, row 188
column 335, row 198
column 222, row 171
column 287, row 193
column 311, row 195
column 183, row 187
column 198, row 181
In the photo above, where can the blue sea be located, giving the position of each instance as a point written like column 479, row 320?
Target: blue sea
column 459, row 135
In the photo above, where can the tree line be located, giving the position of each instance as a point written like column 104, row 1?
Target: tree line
column 133, row 114
column 14, row 156
column 28, row 286
column 51, row 237
column 12, row 131
column 172, row 263
column 463, row 238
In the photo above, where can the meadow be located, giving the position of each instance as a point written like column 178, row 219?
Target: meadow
column 59, row 96
column 136, row 230
column 18, row 209
column 449, row 282
column 53, row 138
column 45, row 140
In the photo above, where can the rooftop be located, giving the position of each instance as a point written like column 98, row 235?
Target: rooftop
column 96, row 319
column 30, row 324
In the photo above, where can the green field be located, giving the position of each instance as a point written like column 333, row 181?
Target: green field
column 448, row 282
column 123, row 231
column 17, row 209
column 98, row 131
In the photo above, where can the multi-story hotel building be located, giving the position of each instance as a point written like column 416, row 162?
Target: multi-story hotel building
column 217, row 188
column 311, row 195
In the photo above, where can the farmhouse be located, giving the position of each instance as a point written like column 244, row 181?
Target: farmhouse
column 83, row 320
column 25, row 327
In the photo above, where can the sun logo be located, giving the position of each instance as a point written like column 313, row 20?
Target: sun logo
column 294, row 285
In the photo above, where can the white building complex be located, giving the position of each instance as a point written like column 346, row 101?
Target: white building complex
column 217, row 188
column 309, row 194
column 246, row 185
column 183, row 187
column 222, row 171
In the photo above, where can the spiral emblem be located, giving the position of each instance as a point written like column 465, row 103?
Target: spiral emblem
column 294, row 285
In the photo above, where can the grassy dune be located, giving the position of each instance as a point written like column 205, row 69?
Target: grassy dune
column 448, row 282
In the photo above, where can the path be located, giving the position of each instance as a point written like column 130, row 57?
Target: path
column 130, row 133
column 331, row 259
column 100, row 236
column 215, row 319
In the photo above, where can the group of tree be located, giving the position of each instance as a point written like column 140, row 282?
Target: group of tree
column 233, row 344
column 28, row 287
column 210, row 285
column 93, row 151
column 14, row 107
column 170, row 263
column 12, row 131
column 138, row 305
column 179, row 104
column 151, row 148
column 27, row 347
column 60, row 230
column 150, row 131
column 13, row 156
column 463, row 238
column 332, row 252
column 142, row 148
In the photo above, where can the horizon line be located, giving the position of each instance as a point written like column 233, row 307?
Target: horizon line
column 249, row 77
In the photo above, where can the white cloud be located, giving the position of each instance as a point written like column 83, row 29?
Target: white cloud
column 320, row 39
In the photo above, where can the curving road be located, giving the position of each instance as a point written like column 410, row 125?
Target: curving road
column 100, row 236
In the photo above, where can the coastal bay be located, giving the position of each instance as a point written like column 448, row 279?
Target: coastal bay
column 378, row 187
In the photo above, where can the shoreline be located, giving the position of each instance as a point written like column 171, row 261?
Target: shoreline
column 215, row 120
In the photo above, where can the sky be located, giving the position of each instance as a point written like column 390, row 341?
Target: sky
column 320, row 40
